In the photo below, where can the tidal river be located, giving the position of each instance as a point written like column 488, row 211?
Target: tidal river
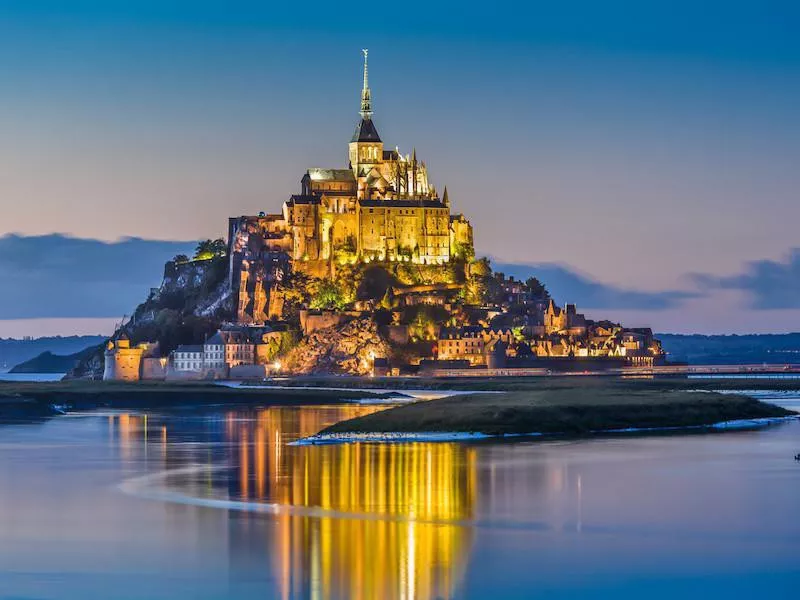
column 215, row 504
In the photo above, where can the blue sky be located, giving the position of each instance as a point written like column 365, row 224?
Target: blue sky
column 634, row 144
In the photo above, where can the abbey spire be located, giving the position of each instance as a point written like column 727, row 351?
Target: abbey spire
column 365, row 130
column 366, row 147
column 366, row 96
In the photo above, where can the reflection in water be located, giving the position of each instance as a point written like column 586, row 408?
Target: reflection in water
column 657, row 517
column 393, row 529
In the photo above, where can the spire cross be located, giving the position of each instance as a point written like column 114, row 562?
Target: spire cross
column 366, row 97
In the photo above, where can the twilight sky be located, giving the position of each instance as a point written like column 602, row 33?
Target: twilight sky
column 642, row 159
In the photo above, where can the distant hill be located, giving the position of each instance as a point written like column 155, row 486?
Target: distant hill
column 47, row 362
column 732, row 349
column 15, row 351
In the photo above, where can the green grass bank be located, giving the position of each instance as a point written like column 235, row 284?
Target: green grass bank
column 567, row 406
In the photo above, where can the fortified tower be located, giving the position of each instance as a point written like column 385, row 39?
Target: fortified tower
column 123, row 362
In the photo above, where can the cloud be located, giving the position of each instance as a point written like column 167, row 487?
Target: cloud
column 566, row 285
column 769, row 284
column 60, row 276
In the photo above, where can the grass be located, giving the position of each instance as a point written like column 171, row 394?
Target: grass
column 511, row 384
column 19, row 400
column 566, row 406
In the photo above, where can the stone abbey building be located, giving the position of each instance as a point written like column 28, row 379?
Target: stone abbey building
column 381, row 207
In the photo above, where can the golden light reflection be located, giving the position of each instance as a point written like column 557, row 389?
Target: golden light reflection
column 392, row 529
column 391, row 522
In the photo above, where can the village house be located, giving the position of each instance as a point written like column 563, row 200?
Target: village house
column 470, row 343
column 188, row 359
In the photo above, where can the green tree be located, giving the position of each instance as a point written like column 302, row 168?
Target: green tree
column 537, row 288
column 207, row 249
column 388, row 300
column 327, row 295
column 375, row 281
column 219, row 247
column 296, row 290
column 424, row 320
column 480, row 287
column 480, row 268
column 348, row 279
column 462, row 251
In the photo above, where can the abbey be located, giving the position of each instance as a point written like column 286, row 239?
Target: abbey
column 381, row 207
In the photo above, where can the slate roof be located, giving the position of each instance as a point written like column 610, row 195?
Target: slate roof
column 366, row 132
column 189, row 348
column 298, row 199
column 456, row 333
column 411, row 203
column 215, row 340
column 318, row 174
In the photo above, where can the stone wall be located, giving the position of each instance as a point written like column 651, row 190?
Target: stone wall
column 248, row 372
column 311, row 321
column 154, row 369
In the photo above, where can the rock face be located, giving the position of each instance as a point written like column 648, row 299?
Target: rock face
column 258, row 262
column 198, row 287
column 194, row 299
column 89, row 366
column 348, row 349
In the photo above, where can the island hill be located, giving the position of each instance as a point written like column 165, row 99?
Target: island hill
column 366, row 271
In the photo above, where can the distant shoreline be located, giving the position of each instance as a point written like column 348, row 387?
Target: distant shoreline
column 20, row 401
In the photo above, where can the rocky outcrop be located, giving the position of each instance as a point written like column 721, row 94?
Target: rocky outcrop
column 194, row 299
column 347, row 349
column 258, row 263
column 47, row 362
column 89, row 366
column 199, row 287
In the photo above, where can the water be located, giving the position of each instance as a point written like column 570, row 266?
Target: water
column 31, row 376
column 217, row 505
column 745, row 376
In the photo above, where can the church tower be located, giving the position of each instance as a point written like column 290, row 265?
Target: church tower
column 366, row 147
